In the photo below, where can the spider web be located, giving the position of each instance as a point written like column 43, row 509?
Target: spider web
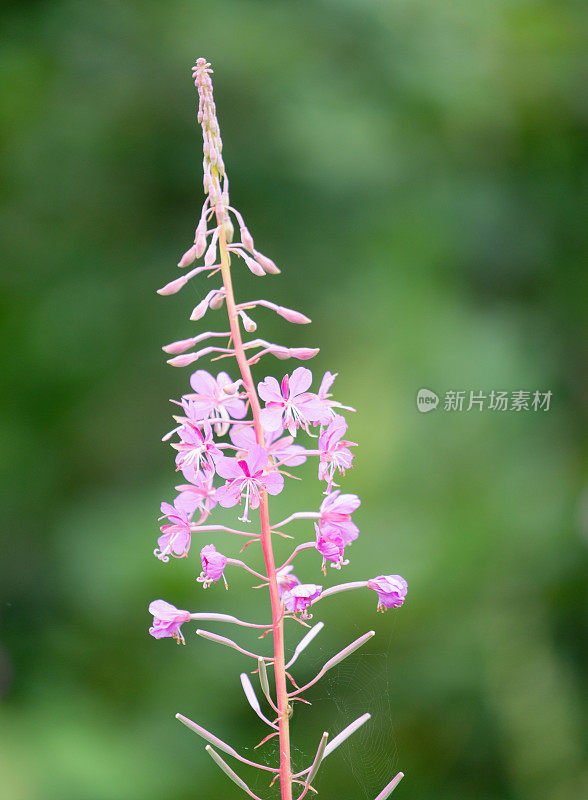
column 368, row 760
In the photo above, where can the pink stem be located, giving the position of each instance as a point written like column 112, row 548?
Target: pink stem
column 266, row 531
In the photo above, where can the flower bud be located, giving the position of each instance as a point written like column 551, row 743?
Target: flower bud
column 229, row 229
column 249, row 324
column 303, row 353
column 266, row 263
column 189, row 257
column 292, row 316
column 246, row 239
column 200, row 310
column 217, row 301
column 173, row 286
column 210, row 256
column 184, row 360
column 179, row 346
column 255, row 268
column 200, row 242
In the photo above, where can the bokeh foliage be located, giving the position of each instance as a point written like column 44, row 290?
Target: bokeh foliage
column 417, row 168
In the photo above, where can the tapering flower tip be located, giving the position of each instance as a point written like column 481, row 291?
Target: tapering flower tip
column 200, row 242
column 347, row 651
column 213, row 565
column 178, row 347
column 387, row 790
column 207, row 736
column 292, row 316
column 200, row 310
column 246, row 238
column 184, row 360
column 266, row 263
column 346, row 733
column 249, row 324
column 217, row 301
column 210, row 256
column 391, row 590
column 167, row 621
column 252, row 264
column 189, row 257
column 229, row 229
column 303, row 353
column 230, row 773
column 173, row 286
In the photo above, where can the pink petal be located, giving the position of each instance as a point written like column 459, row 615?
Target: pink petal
column 273, row 483
column 256, row 459
column 269, row 390
column 228, row 468
column 203, row 383
column 271, row 418
column 300, row 381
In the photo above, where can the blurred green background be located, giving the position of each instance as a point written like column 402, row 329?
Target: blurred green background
column 417, row 169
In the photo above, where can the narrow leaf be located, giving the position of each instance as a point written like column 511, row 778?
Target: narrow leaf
column 387, row 790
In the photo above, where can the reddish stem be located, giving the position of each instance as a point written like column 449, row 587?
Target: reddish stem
column 266, row 533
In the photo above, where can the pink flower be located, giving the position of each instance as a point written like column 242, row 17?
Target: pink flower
column 290, row 405
column 175, row 538
column 300, row 598
column 286, row 580
column 332, row 548
column 214, row 398
column 196, row 450
column 213, row 565
column 199, row 494
column 167, row 620
column 245, row 478
column 334, row 451
column 279, row 447
column 391, row 590
column 335, row 516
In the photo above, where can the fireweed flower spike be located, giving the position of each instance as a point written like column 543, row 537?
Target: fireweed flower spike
column 232, row 451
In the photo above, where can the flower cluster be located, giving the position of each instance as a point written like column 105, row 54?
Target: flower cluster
column 235, row 443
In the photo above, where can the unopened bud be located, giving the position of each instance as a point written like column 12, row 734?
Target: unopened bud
column 255, row 268
column 229, row 229
column 249, row 324
column 292, row 316
column 246, row 239
column 266, row 263
column 210, row 256
column 200, row 242
column 217, row 301
column 184, row 360
column 303, row 353
column 173, row 286
column 179, row 346
column 200, row 310
column 189, row 257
